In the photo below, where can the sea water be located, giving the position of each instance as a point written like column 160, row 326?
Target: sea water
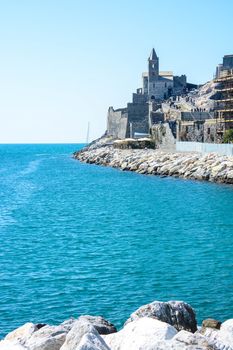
column 84, row 239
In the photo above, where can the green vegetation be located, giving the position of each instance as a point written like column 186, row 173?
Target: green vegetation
column 228, row 136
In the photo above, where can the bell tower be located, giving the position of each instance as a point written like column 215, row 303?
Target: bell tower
column 153, row 66
column 153, row 73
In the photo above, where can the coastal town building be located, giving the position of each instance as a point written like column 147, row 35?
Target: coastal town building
column 210, row 126
column 224, row 101
column 168, row 109
column 156, row 87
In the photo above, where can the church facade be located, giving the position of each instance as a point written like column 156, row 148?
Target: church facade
column 156, row 87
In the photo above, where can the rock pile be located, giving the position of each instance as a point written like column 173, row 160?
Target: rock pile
column 209, row 167
column 156, row 326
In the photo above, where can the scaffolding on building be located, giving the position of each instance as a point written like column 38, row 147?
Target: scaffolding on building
column 224, row 102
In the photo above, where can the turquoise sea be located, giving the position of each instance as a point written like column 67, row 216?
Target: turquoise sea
column 83, row 239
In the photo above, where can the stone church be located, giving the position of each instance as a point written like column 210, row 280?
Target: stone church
column 156, row 87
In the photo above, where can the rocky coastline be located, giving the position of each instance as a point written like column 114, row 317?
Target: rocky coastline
column 207, row 167
column 156, row 326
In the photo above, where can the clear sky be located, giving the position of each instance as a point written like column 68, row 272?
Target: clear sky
column 64, row 62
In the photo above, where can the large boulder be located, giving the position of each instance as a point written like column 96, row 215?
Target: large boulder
column 91, row 341
column 176, row 313
column 144, row 333
column 11, row 345
column 79, row 329
column 47, row 338
column 23, row 333
column 187, row 340
column 100, row 324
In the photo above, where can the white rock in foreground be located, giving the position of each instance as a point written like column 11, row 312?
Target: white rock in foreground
column 144, row 333
column 91, row 341
column 188, row 340
column 222, row 339
column 75, row 339
column 47, row 338
column 23, row 333
column 11, row 345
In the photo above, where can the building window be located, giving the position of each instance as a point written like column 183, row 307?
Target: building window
column 165, row 84
column 153, row 85
column 208, row 131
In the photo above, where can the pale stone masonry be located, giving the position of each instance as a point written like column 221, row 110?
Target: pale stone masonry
column 156, row 87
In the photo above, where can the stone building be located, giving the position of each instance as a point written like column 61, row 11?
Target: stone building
column 196, row 126
column 156, row 87
column 224, row 102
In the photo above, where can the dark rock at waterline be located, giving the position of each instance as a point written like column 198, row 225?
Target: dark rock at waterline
column 176, row 313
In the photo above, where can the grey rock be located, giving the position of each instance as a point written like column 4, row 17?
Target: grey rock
column 91, row 341
column 187, row 340
column 22, row 334
column 176, row 313
column 47, row 338
column 79, row 329
column 100, row 324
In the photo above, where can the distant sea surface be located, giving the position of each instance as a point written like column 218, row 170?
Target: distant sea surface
column 84, row 239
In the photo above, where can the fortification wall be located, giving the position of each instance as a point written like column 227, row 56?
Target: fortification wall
column 138, row 118
column 117, row 121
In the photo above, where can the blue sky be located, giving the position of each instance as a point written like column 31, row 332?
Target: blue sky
column 63, row 62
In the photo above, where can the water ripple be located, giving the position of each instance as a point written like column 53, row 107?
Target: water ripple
column 77, row 239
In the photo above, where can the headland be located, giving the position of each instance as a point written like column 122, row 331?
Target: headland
column 188, row 165
column 172, row 127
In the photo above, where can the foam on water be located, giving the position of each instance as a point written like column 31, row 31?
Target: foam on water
column 31, row 167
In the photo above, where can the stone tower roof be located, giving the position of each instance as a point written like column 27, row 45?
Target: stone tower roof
column 153, row 55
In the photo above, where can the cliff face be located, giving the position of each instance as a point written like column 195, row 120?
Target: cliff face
column 201, row 99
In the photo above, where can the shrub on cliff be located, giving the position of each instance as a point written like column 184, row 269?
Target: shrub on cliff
column 228, row 136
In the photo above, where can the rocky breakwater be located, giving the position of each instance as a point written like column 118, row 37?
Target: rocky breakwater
column 209, row 167
column 157, row 326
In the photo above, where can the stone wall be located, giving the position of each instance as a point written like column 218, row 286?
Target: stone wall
column 159, row 89
column 117, row 122
column 180, row 83
column 209, row 130
column 191, row 131
column 162, row 136
column 138, row 118
column 221, row 149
